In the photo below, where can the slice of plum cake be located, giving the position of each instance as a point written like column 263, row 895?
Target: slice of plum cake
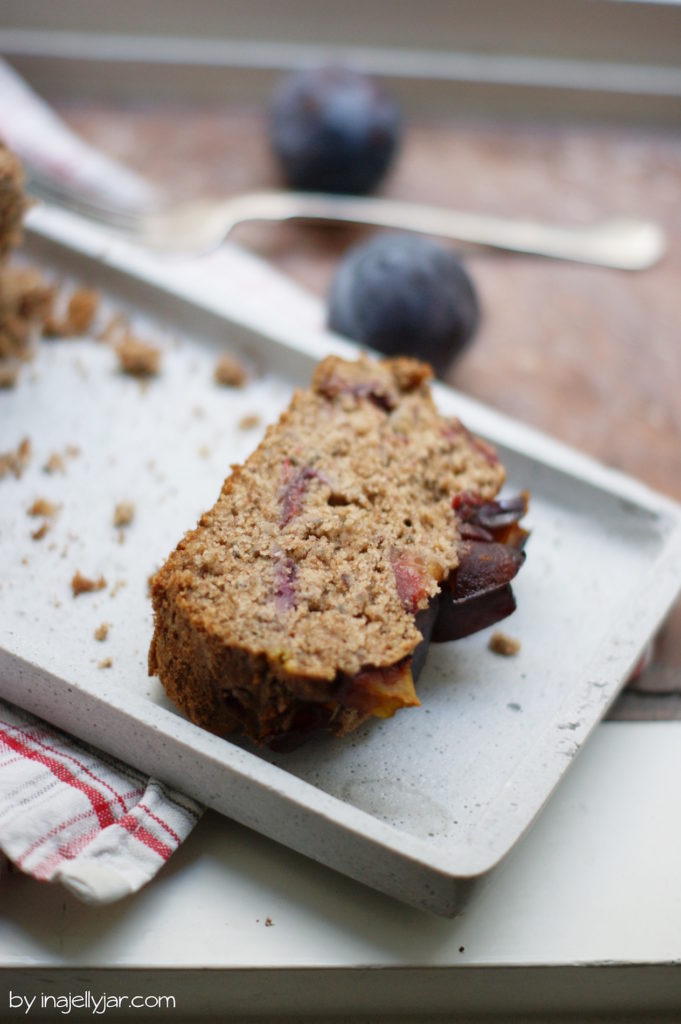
column 363, row 522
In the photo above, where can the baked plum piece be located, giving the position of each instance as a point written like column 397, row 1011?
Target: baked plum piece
column 478, row 592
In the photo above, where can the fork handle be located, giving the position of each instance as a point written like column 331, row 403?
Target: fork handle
column 624, row 244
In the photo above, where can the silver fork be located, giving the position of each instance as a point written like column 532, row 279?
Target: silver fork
column 201, row 225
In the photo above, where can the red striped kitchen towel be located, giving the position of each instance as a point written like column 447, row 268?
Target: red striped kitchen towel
column 74, row 815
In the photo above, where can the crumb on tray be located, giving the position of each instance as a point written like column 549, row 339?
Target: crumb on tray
column 83, row 585
column 124, row 513
column 105, row 663
column 102, row 632
column 15, row 462
column 138, row 358
column 501, row 643
column 249, row 421
column 42, row 507
column 229, row 372
column 82, row 309
column 54, row 464
column 40, row 532
column 79, row 316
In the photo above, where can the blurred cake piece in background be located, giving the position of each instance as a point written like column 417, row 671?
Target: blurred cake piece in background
column 12, row 200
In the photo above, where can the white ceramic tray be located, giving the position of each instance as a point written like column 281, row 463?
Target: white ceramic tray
column 420, row 806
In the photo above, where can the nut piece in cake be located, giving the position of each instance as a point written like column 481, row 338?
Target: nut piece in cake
column 304, row 598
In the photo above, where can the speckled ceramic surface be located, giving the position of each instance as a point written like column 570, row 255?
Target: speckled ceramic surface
column 418, row 806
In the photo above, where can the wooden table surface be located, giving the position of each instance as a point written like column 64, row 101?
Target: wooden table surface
column 589, row 355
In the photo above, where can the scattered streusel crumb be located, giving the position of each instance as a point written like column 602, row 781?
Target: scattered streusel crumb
column 118, row 585
column 249, row 421
column 102, row 632
column 501, row 643
column 105, row 663
column 15, row 462
column 40, row 532
column 229, row 372
column 83, row 585
column 54, row 464
column 42, row 507
column 269, row 922
column 138, row 358
column 78, row 318
column 81, row 310
column 124, row 513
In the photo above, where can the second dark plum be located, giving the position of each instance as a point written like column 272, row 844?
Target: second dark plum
column 404, row 294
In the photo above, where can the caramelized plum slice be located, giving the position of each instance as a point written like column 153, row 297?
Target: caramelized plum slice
column 491, row 520
column 483, row 567
column 478, row 593
column 414, row 575
column 379, row 691
column 425, row 622
column 459, row 618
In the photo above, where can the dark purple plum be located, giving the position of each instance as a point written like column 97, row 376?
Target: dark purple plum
column 333, row 129
column 404, row 294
